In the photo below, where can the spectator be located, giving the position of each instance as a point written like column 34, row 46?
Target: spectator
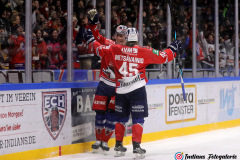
column 15, row 20
column 40, row 56
column 129, row 24
column 54, row 50
column 208, row 50
column 4, row 20
column 4, row 57
column 123, row 17
column 16, row 49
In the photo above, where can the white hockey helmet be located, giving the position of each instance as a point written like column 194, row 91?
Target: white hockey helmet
column 132, row 35
column 121, row 29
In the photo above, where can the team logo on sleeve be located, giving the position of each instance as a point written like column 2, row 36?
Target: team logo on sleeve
column 54, row 111
column 163, row 54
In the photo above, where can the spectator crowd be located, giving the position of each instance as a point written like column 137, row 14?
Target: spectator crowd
column 49, row 24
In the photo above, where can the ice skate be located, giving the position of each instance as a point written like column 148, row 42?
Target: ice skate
column 138, row 151
column 105, row 147
column 95, row 146
column 120, row 150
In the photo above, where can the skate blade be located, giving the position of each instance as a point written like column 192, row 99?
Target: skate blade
column 119, row 154
column 139, row 156
column 95, row 150
column 104, row 152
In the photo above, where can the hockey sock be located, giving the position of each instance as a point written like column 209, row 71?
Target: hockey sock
column 137, row 131
column 99, row 125
column 119, row 131
column 99, row 133
column 107, row 135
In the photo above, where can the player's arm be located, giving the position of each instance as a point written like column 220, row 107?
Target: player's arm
column 153, row 56
column 94, row 46
column 93, row 20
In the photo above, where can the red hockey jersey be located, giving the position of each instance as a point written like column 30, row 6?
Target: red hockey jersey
column 106, row 73
column 129, row 63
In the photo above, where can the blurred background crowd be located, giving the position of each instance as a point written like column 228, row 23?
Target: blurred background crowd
column 49, row 24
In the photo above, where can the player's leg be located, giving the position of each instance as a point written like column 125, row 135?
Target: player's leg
column 109, row 129
column 137, row 130
column 122, row 113
column 109, row 124
column 119, row 133
column 99, row 105
column 139, row 110
column 110, row 120
column 99, row 129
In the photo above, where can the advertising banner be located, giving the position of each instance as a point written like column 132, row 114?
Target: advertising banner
column 178, row 110
column 83, row 118
column 208, row 102
column 34, row 119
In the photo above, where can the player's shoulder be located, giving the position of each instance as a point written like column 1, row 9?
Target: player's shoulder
column 143, row 48
column 115, row 46
column 109, row 42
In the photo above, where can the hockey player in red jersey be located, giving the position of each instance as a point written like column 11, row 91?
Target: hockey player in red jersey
column 129, row 64
column 104, row 101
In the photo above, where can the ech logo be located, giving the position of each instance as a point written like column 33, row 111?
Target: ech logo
column 179, row 156
column 177, row 110
column 54, row 111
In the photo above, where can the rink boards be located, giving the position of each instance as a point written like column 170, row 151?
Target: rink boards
column 51, row 119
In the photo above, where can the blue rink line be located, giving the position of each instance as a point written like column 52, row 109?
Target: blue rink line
column 191, row 80
column 91, row 84
column 47, row 85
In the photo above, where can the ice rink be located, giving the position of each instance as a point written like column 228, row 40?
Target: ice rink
column 219, row 143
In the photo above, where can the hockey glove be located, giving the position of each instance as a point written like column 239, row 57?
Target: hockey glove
column 88, row 36
column 93, row 17
column 175, row 46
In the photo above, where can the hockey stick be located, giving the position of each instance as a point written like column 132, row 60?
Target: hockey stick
column 178, row 55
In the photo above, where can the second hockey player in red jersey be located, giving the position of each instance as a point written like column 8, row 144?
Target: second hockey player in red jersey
column 104, row 101
column 129, row 64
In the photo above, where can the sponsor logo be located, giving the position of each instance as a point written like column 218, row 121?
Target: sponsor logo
column 128, row 50
column 118, row 108
column 126, row 84
column 17, row 141
column 54, row 111
column 82, row 131
column 155, row 106
column 138, row 108
column 99, row 102
column 177, row 110
column 227, row 99
column 206, row 101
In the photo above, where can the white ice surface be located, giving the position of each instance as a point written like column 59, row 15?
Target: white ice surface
column 219, row 142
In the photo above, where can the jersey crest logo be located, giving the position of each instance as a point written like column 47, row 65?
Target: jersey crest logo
column 54, row 111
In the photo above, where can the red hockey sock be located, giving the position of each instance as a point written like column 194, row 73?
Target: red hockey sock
column 99, row 133
column 137, row 131
column 107, row 135
column 119, row 131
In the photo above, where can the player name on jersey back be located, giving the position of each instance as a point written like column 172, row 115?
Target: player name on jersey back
column 129, row 59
